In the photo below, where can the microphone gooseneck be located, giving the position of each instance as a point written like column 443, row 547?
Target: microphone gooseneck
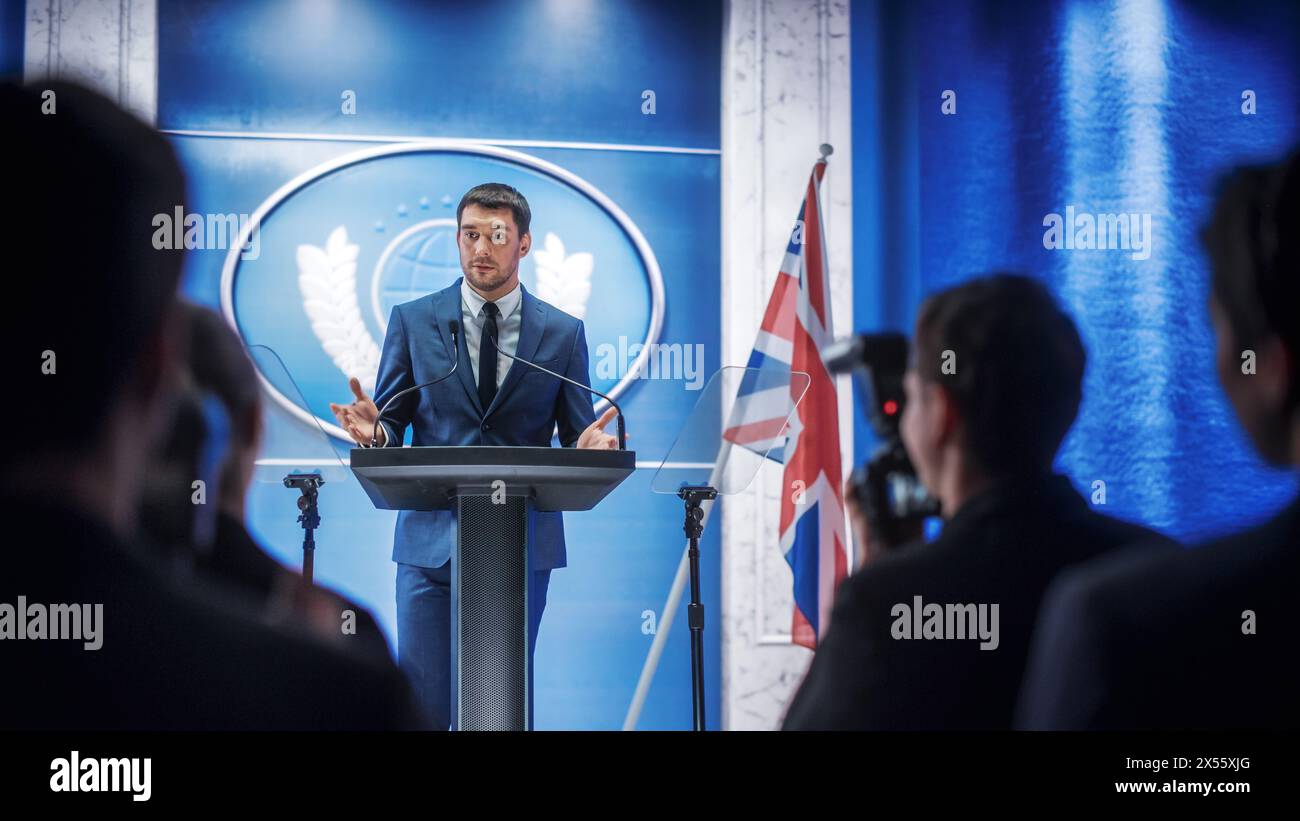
column 454, row 327
column 622, row 444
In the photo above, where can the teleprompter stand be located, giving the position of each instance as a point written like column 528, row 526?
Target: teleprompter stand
column 740, row 417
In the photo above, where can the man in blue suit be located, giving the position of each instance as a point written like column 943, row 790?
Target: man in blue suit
column 492, row 400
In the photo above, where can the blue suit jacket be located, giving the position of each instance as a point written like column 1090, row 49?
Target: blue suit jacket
column 526, row 410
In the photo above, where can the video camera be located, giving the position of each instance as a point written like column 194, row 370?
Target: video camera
column 886, row 487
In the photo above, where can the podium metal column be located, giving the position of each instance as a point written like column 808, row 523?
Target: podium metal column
column 491, row 673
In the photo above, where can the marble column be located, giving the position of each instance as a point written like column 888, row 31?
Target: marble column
column 785, row 90
column 110, row 45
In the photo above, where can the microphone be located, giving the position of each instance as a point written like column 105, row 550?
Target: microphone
column 454, row 326
column 622, row 444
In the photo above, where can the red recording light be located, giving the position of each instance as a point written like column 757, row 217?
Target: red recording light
column 890, row 408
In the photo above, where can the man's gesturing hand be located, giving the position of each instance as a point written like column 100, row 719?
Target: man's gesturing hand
column 595, row 438
column 358, row 418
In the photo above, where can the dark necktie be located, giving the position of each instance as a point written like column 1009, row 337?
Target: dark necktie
column 487, row 356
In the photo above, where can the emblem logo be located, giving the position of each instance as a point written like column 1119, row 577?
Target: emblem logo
column 345, row 242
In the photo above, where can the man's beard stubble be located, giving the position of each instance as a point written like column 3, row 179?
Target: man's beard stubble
column 489, row 280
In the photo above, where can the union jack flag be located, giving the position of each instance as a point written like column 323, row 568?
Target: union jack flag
column 795, row 327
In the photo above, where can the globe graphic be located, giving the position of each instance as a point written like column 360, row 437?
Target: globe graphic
column 420, row 261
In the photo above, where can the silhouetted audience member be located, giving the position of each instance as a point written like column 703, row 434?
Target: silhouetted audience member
column 94, row 635
column 1203, row 638
column 215, row 546
column 983, row 437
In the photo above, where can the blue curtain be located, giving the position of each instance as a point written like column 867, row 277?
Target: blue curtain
column 12, row 18
column 1117, row 107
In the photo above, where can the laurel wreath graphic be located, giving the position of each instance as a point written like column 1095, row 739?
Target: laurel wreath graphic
column 327, row 280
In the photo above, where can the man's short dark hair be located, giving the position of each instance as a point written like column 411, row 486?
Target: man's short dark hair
column 218, row 367
column 1253, row 243
column 219, row 364
column 1017, row 368
column 495, row 195
column 82, row 186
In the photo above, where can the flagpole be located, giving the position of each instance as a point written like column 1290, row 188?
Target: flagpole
column 665, row 623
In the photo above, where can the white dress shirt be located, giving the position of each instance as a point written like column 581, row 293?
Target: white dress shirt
column 472, row 318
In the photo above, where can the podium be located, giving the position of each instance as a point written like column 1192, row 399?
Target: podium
column 493, row 490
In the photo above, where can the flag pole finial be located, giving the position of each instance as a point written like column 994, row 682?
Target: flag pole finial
column 826, row 150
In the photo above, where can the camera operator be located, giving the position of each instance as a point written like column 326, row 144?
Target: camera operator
column 935, row 636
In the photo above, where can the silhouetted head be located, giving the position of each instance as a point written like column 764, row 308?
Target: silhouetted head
column 995, row 381
column 220, row 366
column 1253, row 243
column 214, row 436
column 93, row 330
